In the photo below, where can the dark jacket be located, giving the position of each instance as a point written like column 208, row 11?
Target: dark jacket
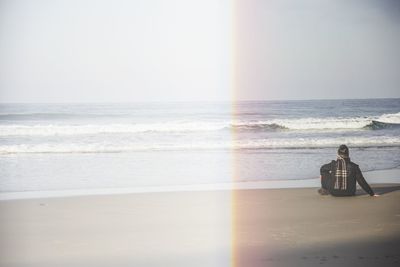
column 328, row 172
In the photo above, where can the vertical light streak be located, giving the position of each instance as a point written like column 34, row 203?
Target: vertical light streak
column 233, row 84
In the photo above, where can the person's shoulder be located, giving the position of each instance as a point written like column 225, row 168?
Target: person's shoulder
column 329, row 163
column 326, row 167
column 355, row 165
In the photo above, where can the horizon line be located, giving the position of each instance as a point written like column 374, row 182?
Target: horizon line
column 197, row 101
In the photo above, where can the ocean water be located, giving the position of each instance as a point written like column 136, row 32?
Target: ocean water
column 90, row 146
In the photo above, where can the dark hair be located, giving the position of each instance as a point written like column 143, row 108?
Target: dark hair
column 343, row 151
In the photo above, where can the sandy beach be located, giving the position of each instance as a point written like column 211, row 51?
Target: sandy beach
column 258, row 227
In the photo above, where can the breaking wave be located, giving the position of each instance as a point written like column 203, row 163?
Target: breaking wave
column 377, row 125
column 386, row 121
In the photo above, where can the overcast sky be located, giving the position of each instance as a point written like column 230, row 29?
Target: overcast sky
column 177, row 50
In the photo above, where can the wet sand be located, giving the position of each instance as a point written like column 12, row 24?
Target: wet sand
column 257, row 227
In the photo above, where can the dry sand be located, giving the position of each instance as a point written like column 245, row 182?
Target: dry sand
column 260, row 227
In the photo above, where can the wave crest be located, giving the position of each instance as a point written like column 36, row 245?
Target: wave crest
column 377, row 125
column 258, row 127
column 386, row 121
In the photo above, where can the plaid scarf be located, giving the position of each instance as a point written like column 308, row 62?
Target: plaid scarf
column 341, row 173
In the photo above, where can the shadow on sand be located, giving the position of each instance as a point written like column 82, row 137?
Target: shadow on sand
column 350, row 253
column 381, row 189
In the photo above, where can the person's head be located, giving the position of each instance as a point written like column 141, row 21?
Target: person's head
column 343, row 151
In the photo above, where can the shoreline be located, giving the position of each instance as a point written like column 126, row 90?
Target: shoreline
column 387, row 176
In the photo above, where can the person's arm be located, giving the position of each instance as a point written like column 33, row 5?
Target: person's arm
column 325, row 176
column 361, row 181
column 325, row 169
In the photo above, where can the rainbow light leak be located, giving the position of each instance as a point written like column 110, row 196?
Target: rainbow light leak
column 238, row 242
column 233, row 89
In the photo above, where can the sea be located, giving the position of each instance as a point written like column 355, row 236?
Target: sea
column 61, row 147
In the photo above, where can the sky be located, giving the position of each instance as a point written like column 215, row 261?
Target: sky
column 189, row 50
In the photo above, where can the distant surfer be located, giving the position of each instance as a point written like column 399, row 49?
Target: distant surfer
column 339, row 177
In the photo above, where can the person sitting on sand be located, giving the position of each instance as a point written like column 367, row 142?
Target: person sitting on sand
column 339, row 177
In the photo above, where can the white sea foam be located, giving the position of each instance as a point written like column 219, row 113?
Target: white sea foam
column 331, row 123
column 390, row 118
column 53, row 129
column 203, row 145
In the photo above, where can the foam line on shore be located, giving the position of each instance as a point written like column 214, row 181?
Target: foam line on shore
column 374, row 177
